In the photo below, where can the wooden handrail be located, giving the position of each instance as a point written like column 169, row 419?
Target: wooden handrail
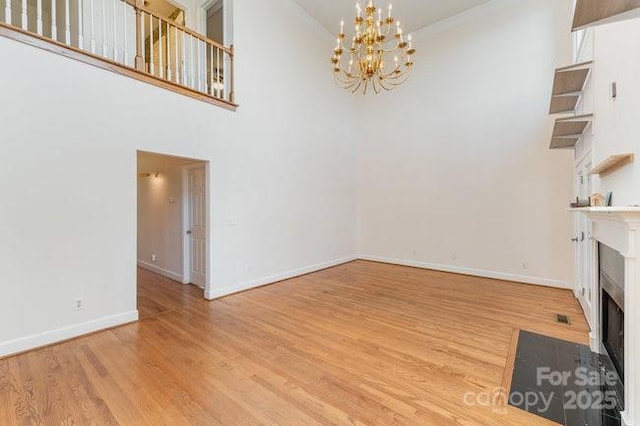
column 139, row 5
column 184, row 58
column 15, row 33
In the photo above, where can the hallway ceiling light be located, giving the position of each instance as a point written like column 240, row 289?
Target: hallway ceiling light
column 146, row 175
column 372, row 49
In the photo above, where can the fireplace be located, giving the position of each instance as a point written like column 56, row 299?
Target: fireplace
column 612, row 271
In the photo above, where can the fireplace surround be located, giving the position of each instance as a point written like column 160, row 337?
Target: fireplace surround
column 618, row 228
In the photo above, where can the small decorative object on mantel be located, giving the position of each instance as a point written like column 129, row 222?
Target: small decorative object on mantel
column 578, row 203
column 597, row 200
column 608, row 200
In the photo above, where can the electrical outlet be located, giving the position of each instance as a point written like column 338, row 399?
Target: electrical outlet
column 525, row 265
column 154, row 257
column 454, row 256
column 79, row 304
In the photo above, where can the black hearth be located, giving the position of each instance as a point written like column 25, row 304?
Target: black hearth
column 611, row 265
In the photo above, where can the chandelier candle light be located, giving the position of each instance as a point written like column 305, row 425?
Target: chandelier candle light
column 371, row 47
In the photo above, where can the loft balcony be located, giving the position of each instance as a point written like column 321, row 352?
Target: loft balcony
column 129, row 38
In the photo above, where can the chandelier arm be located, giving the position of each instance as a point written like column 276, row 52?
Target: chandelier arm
column 351, row 84
column 397, row 47
column 346, row 73
column 406, row 71
column 345, row 83
column 389, row 25
column 357, row 88
column 375, row 86
column 396, row 83
column 382, row 84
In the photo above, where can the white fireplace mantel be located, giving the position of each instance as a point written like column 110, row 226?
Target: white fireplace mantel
column 619, row 228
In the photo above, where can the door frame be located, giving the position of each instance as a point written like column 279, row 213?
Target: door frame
column 227, row 21
column 186, row 246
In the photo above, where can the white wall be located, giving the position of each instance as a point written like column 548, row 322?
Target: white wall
column 458, row 175
column 616, row 127
column 160, row 201
column 459, row 165
column 282, row 168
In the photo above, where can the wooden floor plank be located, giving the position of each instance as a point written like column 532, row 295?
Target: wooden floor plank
column 362, row 344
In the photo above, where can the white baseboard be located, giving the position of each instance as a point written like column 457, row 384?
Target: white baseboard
column 216, row 293
column 65, row 333
column 471, row 271
column 165, row 273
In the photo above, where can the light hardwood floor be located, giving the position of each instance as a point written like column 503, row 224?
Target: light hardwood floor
column 362, row 343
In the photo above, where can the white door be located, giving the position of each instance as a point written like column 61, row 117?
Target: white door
column 583, row 244
column 197, row 225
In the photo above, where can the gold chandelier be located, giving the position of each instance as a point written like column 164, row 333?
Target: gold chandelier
column 370, row 49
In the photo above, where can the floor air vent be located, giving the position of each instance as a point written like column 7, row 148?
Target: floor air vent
column 563, row 319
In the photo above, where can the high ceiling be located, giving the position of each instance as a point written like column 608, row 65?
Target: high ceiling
column 414, row 14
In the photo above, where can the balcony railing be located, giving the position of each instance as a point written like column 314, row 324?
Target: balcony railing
column 126, row 33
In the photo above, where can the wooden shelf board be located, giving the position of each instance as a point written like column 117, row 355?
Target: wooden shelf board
column 568, row 84
column 594, row 12
column 612, row 163
column 567, row 131
column 563, row 143
column 560, row 104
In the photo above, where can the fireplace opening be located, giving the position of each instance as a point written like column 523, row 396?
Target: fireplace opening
column 611, row 265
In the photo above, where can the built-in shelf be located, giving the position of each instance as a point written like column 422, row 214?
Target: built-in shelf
column 568, row 131
column 595, row 12
column 612, row 163
column 568, row 84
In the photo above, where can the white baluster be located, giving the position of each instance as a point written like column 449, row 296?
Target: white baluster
column 184, row 59
column 104, row 28
column 188, row 63
column 211, row 70
column 151, row 45
column 218, row 95
column 80, row 24
column 25, row 18
column 160, row 67
column 144, row 45
column 115, row 32
column 177, row 73
column 198, row 82
column 54, row 24
column 67, row 19
column 192, row 61
column 39, row 17
column 92, row 26
column 124, row 32
column 168, row 52
column 7, row 12
column 202, row 49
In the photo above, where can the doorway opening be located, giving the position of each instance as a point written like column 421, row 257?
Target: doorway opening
column 214, row 21
column 173, row 204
